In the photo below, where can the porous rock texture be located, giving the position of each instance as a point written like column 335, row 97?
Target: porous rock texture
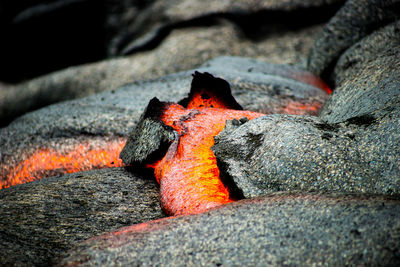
column 353, row 146
column 281, row 229
column 355, row 20
column 40, row 220
column 286, row 153
column 95, row 120
column 367, row 76
column 162, row 37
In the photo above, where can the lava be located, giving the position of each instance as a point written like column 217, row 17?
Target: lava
column 49, row 162
column 188, row 174
column 296, row 108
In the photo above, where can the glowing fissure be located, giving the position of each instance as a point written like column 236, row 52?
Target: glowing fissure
column 48, row 162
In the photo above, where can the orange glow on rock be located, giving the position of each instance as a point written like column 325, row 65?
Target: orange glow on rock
column 49, row 162
column 296, row 108
column 188, row 174
column 311, row 79
column 205, row 99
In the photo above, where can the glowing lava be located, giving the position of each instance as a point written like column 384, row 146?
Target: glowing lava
column 188, row 174
column 49, row 162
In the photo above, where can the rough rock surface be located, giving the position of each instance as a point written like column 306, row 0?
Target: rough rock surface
column 187, row 34
column 352, row 147
column 285, row 153
column 256, row 85
column 281, row 229
column 367, row 76
column 39, row 220
column 355, row 20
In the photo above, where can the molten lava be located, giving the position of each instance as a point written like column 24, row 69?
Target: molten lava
column 188, row 173
column 48, row 162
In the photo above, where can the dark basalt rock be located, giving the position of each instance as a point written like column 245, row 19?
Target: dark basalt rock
column 351, row 147
column 150, row 139
column 286, row 153
column 39, row 220
column 355, row 20
column 367, row 76
column 281, row 229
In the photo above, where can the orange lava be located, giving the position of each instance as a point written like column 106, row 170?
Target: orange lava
column 48, row 162
column 188, row 173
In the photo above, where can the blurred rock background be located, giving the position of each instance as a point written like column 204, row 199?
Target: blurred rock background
column 58, row 50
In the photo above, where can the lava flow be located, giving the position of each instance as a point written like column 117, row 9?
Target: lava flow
column 49, row 162
column 188, row 173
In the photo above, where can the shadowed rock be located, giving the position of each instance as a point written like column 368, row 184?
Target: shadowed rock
column 165, row 39
column 285, row 153
column 150, row 138
column 39, row 220
column 367, row 76
column 353, row 21
column 281, row 229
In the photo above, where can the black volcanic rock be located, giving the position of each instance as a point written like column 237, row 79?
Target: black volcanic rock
column 367, row 76
column 39, row 220
column 353, row 146
column 286, row 153
column 355, row 20
column 280, row 229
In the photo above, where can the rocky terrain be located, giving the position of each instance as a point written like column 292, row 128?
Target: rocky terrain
column 320, row 186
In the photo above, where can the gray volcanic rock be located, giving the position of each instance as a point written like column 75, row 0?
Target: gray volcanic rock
column 281, row 229
column 367, row 76
column 355, row 20
column 353, row 146
column 149, row 137
column 252, row 17
column 39, row 220
column 113, row 114
column 285, row 153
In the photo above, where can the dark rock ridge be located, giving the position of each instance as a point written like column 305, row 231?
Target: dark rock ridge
column 355, row 20
column 285, row 153
column 353, row 146
column 281, row 229
column 39, row 220
column 367, row 76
